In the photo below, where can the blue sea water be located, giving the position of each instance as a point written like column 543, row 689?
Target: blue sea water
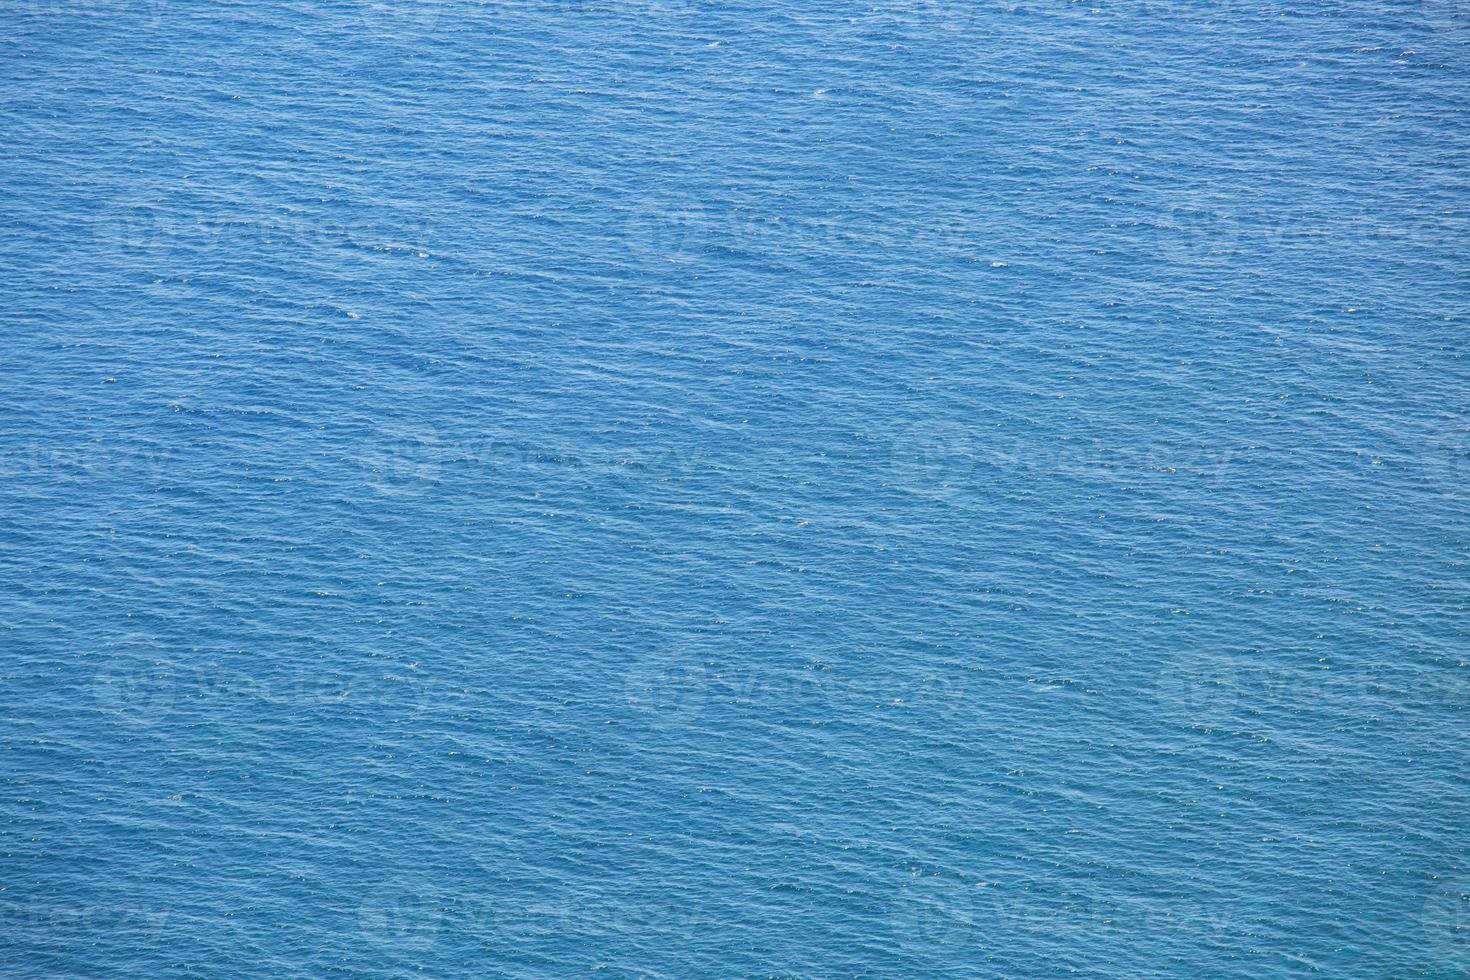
column 656, row 488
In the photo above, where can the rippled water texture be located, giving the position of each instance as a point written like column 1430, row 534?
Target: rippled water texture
column 662, row 489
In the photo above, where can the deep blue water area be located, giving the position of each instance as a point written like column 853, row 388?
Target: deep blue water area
column 657, row 488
